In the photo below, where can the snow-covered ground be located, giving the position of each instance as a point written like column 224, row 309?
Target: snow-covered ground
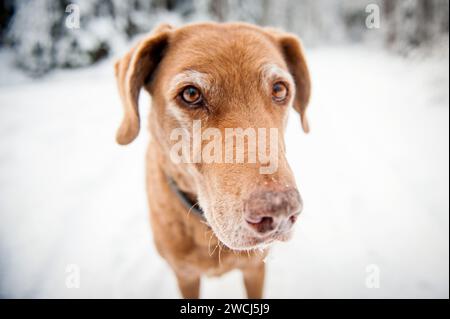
column 374, row 174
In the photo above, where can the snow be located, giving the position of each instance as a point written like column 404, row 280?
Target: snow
column 373, row 174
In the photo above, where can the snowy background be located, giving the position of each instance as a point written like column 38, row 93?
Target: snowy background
column 374, row 172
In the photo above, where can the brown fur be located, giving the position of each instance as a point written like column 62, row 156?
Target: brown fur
column 231, row 55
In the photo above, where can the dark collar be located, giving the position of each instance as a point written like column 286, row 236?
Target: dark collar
column 191, row 206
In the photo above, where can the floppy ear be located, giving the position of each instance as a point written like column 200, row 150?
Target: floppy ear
column 132, row 72
column 293, row 52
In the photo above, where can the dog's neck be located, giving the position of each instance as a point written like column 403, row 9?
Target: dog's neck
column 189, row 202
column 178, row 180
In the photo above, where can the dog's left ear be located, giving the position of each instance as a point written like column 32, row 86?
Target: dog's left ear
column 132, row 72
column 294, row 55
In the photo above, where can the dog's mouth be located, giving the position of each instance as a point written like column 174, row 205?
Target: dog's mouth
column 256, row 223
column 268, row 218
column 255, row 243
column 266, row 241
column 244, row 239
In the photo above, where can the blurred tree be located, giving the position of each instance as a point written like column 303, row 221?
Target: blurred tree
column 42, row 41
column 6, row 12
column 414, row 23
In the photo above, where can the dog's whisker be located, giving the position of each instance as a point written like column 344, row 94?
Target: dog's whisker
column 192, row 207
column 215, row 248
column 204, row 223
column 212, row 253
column 209, row 245
column 205, row 234
column 220, row 250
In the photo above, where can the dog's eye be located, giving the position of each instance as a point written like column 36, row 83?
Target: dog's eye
column 279, row 92
column 191, row 96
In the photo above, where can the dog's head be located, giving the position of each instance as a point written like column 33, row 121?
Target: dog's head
column 221, row 94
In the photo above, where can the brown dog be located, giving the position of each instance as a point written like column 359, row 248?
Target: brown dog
column 226, row 76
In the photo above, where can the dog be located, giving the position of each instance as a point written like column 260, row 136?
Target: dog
column 211, row 218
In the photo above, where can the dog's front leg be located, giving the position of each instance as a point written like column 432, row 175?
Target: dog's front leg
column 189, row 286
column 254, row 280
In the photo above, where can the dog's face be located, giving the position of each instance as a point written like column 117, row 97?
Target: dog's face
column 233, row 85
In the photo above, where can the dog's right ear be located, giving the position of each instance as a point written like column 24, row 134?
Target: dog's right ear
column 294, row 55
column 132, row 72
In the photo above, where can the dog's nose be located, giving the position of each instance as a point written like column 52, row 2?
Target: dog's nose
column 266, row 211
